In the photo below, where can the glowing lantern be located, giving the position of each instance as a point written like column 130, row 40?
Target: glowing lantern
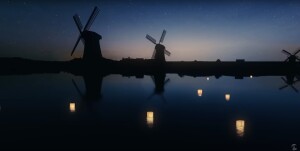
column 227, row 97
column 72, row 107
column 240, row 127
column 207, row 78
column 150, row 119
column 200, row 91
column 251, row 76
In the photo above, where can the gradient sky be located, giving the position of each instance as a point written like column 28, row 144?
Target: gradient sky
column 196, row 30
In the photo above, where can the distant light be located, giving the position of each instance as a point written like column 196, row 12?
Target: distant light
column 150, row 119
column 72, row 107
column 200, row 91
column 207, row 78
column 227, row 97
column 240, row 128
column 251, row 76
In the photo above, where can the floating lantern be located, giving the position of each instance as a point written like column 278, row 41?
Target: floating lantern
column 72, row 107
column 207, row 78
column 251, row 76
column 150, row 119
column 240, row 128
column 227, row 97
column 200, row 91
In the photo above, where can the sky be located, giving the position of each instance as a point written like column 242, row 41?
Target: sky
column 196, row 30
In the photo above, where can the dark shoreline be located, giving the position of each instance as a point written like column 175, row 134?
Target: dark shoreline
column 141, row 67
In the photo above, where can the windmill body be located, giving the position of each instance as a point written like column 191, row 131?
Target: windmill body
column 92, row 50
column 160, row 52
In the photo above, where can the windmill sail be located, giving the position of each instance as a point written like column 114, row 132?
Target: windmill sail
column 94, row 15
column 286, row 52
column 90, row 21
column 168, row 53
column 153, row 55
column 162, row 36
column 151, row 39
column 78, row 39
column 78, row 22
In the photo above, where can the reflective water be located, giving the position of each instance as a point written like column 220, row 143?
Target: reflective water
column 50, row 111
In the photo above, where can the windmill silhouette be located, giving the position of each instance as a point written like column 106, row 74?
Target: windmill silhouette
column 290, row 81
column 90, row 39
column 160, row 82
column 159, row 50
column 291, row 57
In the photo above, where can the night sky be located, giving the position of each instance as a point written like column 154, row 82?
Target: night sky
column 196, row 30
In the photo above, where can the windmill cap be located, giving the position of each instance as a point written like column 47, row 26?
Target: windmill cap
column 159, row 46
column 91, row 35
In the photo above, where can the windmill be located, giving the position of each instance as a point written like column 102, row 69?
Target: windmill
column 290, row 81
column 291, row 57
column 160, row 50
column 90, row 39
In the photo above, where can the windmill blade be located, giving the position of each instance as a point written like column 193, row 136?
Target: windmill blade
column 286, row 60
column 162, row 36
column 152, row 77
column 151, row 95
column 167, row 81
column 76, row 45
column 153, row 55
column 151, row 39
column 284, row 79
column 286, row 52
column 296, row 81
column 93, row 19
column 168, row 53
column 90, row 18
column 78, row 23
column 283, row 87
column 298, row 78
column 163, row 98
column 77, row 88
column 296, row 90
column 296, row 52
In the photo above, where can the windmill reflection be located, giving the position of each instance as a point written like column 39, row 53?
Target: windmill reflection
column 93, row 86
column 160, row 81
column 290, row 81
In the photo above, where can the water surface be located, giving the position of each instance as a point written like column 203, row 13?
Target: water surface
column 49, row 111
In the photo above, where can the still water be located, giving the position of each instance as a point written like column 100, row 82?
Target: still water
column 62, row 111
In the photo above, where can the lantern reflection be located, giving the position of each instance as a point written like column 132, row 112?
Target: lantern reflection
column 240, row 128
column 72, row 107
column 227, row 97
column 150, row 119
column 200, row 91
